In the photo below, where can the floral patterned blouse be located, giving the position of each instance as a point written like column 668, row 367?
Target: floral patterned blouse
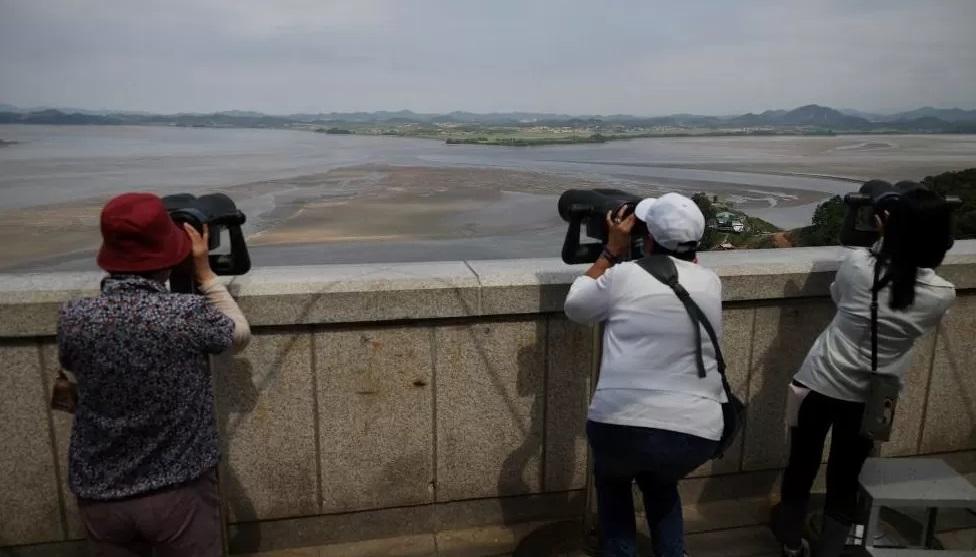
column 145, row 416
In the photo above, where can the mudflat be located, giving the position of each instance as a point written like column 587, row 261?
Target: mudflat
column 312, row 198
column 356, row 204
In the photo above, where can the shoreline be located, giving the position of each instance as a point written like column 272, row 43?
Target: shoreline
column 515, row 141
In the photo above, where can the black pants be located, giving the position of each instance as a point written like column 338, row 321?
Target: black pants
column 848, row 450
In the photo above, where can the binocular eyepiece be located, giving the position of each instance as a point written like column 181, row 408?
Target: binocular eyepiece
column 871, row 202
column 219, row 213
column 590, row 207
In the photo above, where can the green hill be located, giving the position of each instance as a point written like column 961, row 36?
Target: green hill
column 963, row 184
column 828, row 218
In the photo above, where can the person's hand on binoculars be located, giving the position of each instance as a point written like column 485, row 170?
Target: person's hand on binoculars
column 199, row 248
column 618, row 237
column 879, row 221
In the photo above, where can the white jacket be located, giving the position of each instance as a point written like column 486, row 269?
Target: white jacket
column 648, row 374
column 839, row 363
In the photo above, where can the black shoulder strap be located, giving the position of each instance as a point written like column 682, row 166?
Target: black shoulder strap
column 875, row 287
column 662, row 268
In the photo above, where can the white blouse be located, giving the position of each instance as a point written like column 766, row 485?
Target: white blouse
column 839, row 363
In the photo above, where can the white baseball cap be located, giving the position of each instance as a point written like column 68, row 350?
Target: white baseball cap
column 673, row 220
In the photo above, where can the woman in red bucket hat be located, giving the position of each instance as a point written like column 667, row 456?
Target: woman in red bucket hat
column 138, row 236
column 144, row 436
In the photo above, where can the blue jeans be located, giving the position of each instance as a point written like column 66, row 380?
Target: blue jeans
column 656, row 459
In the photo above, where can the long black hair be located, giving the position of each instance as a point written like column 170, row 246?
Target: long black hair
column 917, row 234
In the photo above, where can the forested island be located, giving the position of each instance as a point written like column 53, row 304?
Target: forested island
column 524, row 129
column 828, row 218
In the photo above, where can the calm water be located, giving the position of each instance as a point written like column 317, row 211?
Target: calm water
column 778, row 178
column 54, row 164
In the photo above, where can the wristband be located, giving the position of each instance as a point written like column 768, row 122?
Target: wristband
column 613, row 259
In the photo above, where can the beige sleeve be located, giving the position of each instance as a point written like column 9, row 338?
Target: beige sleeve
column 217, row 294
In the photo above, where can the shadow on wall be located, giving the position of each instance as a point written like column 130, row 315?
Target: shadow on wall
column 515, row 467
column 775, row 356
column 239, row 396
column 238, row 389
column 559, row 395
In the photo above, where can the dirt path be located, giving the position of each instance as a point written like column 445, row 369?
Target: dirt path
column 782, row 240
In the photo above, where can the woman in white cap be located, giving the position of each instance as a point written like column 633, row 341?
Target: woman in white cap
column 652, row 419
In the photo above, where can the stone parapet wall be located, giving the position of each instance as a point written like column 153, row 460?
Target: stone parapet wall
column 384, row 399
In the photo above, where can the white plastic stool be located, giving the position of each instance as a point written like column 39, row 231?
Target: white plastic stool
column 913, row 482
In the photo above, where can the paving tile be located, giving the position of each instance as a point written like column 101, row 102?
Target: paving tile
column 459, row 515
column 331, row 529
column 403, row 546
column 299, row 552
column 755, row 541
column 484, row 541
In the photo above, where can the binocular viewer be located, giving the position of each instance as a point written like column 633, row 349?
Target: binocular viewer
column 219, row 213
column 585, row 211
column 870, row 202
column 589, row 208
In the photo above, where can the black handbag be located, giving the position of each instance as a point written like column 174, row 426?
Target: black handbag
column 662, row 268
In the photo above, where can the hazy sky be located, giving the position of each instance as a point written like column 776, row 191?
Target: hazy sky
column 576, row 56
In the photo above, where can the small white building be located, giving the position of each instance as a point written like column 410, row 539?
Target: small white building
column 729, row 222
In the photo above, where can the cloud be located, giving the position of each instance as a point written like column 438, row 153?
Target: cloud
column 575, row 56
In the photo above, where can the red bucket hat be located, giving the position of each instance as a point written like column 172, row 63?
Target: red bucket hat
column 139, row 236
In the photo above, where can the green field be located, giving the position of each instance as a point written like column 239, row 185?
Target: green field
column 533, row 135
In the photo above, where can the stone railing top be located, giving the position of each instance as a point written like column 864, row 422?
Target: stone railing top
column 273, row 296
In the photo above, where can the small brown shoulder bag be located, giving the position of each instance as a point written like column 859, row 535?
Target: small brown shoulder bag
column 64, row 395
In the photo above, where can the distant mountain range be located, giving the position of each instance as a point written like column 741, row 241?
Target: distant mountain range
column 815, row 117
column 944, row 114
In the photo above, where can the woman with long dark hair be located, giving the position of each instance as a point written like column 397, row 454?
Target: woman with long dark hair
column 829, row 391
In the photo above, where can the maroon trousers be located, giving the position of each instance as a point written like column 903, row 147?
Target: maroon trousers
column 182, row 521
